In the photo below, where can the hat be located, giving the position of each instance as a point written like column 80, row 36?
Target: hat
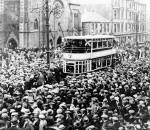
column 85, row 119
column 61, row 127
column 68, row 111
column 50, row 111
column 59, row 116
column 91, row 127
column 95, row 116
column 77, row 123
column 27, row 111
column 131, row 111
column 25, row 116
column 44, row 112
column 62, row 105
column 41, row 116
column 4, row 115
column 59, row 111
column 104, row 116
column 115, row 118
column 36, row 115
column 14, row 120
column 49, row 96
column 58, row 120
column 4, row 110
column 34, row 105
column 14, row 114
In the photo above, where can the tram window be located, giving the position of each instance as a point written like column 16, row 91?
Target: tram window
column 109, row 43
column 99, row 63
column 104, row 62
column 94, row 45
column 88, row 65
column 85, row 66
column 100, row 44
column 93, row 64
column 104, row 43
column 77, row 68
column 80, row 68
column 70, row 67
column 108, row 62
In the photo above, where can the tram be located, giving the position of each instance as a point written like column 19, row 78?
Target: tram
column 83, row 54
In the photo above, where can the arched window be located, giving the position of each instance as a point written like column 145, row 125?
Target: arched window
column 36, row 24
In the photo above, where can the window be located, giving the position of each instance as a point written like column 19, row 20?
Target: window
column 122, row 13
column 108, row 61
column 85, row 66
column 94, row 44
column 100, row 30
column 77, row 68
column 70, row 67
column 107, row 27
column 115, row 14
column 122, row 27
column 80, row 67
column 93, row 64
column 118, row 27
column 130, row 15
column 109, row 43
column 104, row 62
column 115, row 28
column 104, row 27
column 76, row 20
column 93, row 27
column 104, row 44
column 99, row 63
column 99, row 44
column 36, row 24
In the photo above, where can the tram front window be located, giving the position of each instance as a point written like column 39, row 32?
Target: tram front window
column 70, row 67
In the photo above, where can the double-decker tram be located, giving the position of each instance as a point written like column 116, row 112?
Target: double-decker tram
column 83, row 54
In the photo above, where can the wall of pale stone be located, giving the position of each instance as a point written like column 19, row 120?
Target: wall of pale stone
column 37, row 37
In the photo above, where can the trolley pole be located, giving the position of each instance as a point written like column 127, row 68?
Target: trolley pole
column 47, row 31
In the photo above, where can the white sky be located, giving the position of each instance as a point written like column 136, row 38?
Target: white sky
column 106, row 1
column 92, row 1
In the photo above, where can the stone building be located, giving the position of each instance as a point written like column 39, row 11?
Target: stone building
column 64, row 20
column 9, row 23
column 127, row 19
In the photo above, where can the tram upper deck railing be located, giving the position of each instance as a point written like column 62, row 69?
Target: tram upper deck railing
column 83, row 49
column 77, row 49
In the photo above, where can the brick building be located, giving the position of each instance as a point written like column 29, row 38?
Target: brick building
column 93, row 23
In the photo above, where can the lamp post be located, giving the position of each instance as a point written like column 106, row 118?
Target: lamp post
column 47, row 31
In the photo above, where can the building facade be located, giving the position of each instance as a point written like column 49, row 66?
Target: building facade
column 129, row 21
column 93, row 24
column 64, row 20
column 9, row 23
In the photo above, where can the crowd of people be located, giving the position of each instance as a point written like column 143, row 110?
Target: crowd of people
column 32, row 97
